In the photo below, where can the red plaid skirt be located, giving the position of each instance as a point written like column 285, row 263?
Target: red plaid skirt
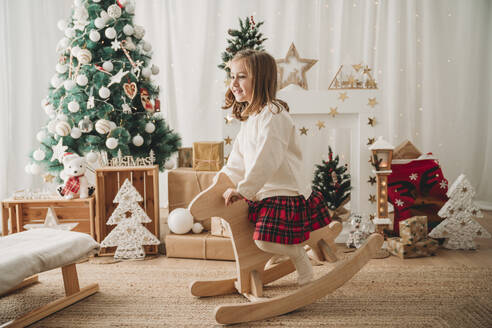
column 288, row 219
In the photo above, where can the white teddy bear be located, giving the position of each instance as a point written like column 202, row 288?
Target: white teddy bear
column 73, row 175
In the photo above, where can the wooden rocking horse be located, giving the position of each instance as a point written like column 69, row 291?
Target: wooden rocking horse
column 250, row 262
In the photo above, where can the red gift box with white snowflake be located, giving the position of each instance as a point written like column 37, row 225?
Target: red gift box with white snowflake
column 417, row 187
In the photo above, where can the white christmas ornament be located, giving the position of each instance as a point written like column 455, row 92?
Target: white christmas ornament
column 73, row 106
column 38, row 155
column 75, row 133
column 129, row 45
column 27, row 169
column 112, row 125
column 96, row 1
column 170, row 164
column 126, row 109
column 180, row 221
column 84, row 56
column 82, row 80
column 55, row 81
column 62, row 25
column 110, row 33
column 62, row 117
column 155, row 69
column 94, row 36
column 91, row 157
column 130, row 8
column 99, row 22
column 41, row 135
column 62, row 44
column 128, row 29
column 51, row 126
column 114, row 11
column 70, row 32
column 62, row 128
column 49, row 110
column 75, row 51
column 80, row 13
column 147, row 46
column 35, row 169
column 61, row 68
column 68, row 85
column 138, row 31
column 104, row 93
column 103, row 126
column 44, row 102
column 108, row 66
column 104, row 15
column 146, row 72
column 112, row 143
column 86, row 125
column 138, row 140
column 149, row 127
column 197, row 228
column 77, row 2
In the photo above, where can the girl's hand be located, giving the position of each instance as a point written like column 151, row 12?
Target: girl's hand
column 231, row 195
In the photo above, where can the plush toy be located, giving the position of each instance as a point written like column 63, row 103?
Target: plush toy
column 73, row 175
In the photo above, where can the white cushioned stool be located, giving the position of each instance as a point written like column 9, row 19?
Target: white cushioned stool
column 27, row 253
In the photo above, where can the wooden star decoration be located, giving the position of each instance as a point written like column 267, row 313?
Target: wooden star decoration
column 357, row 67
column 371, row 121
column 372, row 199
column 303, row 131
column 51, row 221
column 48, row 177
column 333, row 111
column 464, row 189
column 292, row 69
column 372, row 102
column 372, row 180
column 370, row 141
column 320, row 125
column 479, row 233
column 342, row 96
column 371, row 217
column 228, row 119
column 228, row 140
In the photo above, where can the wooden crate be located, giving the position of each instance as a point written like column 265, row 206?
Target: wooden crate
column 108, row 182
column 21, row 212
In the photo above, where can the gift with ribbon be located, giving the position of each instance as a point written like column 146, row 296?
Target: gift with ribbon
column 208, row 156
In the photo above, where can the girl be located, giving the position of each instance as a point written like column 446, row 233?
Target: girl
column 265, row 163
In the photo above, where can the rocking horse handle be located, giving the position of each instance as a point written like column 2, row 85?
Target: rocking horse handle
column 210, row 202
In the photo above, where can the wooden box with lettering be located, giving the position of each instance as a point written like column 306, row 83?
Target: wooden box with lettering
column 145, row 179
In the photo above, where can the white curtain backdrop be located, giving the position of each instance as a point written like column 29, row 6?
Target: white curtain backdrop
column 432, row 60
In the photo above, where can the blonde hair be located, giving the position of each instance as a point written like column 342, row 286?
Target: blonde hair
column 263, row 70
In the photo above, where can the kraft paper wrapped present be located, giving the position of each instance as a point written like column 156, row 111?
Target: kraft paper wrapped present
column 184, row 184
column 413, row 229
column 199, row 246
column 425, row 247
column 220, row 228
column 185, row 157
column 208, row 156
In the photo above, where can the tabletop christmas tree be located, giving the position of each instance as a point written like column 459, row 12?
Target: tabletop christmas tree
column 129, row 235
column 459, row 228
column 101, row 97
column 247, row 37
column 333, row 182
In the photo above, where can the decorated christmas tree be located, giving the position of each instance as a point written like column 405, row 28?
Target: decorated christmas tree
column 101, row 96
column 332, row 181
column 247, row 37
column 129, row 235
column 459, row 228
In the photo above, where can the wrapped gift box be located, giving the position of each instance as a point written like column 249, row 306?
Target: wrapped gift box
column 426, row 247
column 199, row 246
column 185, row 157
column 220, row 228
column 208, row 156
column 413, row 229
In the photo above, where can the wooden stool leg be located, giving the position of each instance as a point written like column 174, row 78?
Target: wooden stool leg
column 70, row 279
column 256, row 284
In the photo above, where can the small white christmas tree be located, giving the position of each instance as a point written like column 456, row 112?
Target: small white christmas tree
column 129, row 235
column 459, row 228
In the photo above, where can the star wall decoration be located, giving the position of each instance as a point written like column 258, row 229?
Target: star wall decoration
column 228, row 140
column 292, row 69
column 357, row 67
column 303, row 131
column 372, row 199
column 371, row 121
column 228, row 119
column 333, row 111
column 342, row 96
column 320, row 124
column 58, row 151
column 370, row 141
column 372, row 180
column 372, row 102
column 51, row 221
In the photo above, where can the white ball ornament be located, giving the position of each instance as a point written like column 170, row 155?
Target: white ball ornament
column 130, row 8
column 94, row 36
column 104, row 15
column 69, row 32
column 108, row 66
column 35, row 169
column 99, row 22
column 91, row 157
column 62, row 25
column 128, row 29
column 75, row 133
column 96, row 1
column 138, row 140
column 155, row 69
column 112, row 143
column 104, row 93
column 55, row 81
column 112, row 125
column 51, row 126
column 197, row 228
column 80, row 13
column 180, row 221
column 110, row 33
column 129, row 45
column 68, row 84
column 170, row 164
column 61, row 68
column 114, row 11
column 84, row 56
column 62, row 117
column 63, row 43
column 103, row 126
column 73, row 106
column 146, row 72
column 149, row 127
column 41, row 135
column 138, row 31
column 147, row 46
column 62, row 128
column 38, row 154
column 27, row 168
column 49, row 109
column 82, row 80
column 77, row 2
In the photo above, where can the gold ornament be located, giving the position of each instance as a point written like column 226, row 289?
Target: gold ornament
column 372, row 121
column 333, row 111
column 370, row 141
column 355, row 79
column 228, row 140
column 343, row 96
column 372, row 199
column 320, row 124
column 372, row 102
column 48, row 177
column 304, row 131
column 300, row 66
